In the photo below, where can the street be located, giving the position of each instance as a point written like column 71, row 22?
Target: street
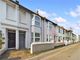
column 70, row 52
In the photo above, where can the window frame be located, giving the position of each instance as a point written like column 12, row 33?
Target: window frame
column 37, row 21
column 22, row 13
column 37, row 37
column 8, row 6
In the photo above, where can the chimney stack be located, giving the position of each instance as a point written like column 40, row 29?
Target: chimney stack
column 17, row 1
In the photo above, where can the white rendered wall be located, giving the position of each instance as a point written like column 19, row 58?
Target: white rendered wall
column 41, row 46
column 14, row 23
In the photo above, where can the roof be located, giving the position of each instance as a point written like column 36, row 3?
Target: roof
column 64, row 28
column 32, row 12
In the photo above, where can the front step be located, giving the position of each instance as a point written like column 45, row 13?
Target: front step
column 16, row 55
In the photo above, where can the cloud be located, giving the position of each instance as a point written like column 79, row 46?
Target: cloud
column 77, row 26
column 76, row 29
column 46, row 14
column 43, row 13
column 60, row 20
column 75, row 12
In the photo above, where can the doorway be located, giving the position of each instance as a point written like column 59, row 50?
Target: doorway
column 21, row 39
column 11, row 39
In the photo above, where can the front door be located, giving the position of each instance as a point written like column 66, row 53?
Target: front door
column 21, row 40
column 11, row 38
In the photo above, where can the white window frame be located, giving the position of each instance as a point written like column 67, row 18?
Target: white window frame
column 8, row 12
column 38, row 21
column 38, row 37
column 22, row 13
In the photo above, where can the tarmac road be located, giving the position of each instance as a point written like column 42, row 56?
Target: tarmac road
column 70, row 52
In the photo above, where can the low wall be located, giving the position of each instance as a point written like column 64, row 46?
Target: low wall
column 41, row 46
column 59, row 44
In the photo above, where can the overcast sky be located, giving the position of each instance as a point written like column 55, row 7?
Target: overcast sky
column 64, row 12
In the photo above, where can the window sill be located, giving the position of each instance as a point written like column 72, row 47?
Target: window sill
column 10, row 19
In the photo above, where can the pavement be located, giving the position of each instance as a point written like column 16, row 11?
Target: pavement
column 16, row 55
column 70, row 52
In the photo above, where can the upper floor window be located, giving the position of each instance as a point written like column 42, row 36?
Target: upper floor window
column 10, row 12
column 37, row 21
column 59, row 29
column 37, row 18
column 50, row 26
column 22, row 16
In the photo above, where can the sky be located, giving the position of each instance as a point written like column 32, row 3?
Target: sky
column 63, row 12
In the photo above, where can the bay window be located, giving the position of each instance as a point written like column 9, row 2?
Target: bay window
column 37, row 37
column 37, row 21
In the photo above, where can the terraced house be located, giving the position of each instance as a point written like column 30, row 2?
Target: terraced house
column 65, row 36
column 74, row 37
column 43, row 30
column 15, row 25
column 20, row 27
column 59, row 34
column 69, row 36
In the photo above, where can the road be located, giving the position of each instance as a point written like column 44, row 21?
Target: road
column 70, row 52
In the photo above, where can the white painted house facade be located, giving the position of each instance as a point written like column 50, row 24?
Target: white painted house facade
column 20, row 27
column 36, row 28
column 59, row 34
column 15, row 25
column 43, row 30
